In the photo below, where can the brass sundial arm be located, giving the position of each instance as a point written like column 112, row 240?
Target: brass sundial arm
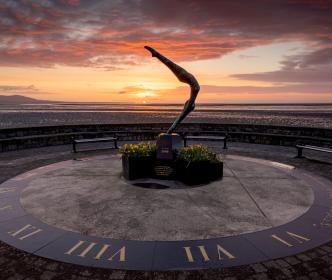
column 184, row 77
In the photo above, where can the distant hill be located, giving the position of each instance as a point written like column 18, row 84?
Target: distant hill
column 20, row 99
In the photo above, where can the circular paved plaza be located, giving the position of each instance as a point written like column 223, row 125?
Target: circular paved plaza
column 86, row 202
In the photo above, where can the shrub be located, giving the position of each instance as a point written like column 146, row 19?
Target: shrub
column 138, row 150
column 196, row 153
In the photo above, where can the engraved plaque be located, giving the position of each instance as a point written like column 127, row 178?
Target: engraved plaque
column 163, row 170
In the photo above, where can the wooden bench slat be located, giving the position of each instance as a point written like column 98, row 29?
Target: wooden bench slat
column 216, row 138
column 313, row 147
column 310, row 147
column 321, row 150
column 94, row 140
column 206, row 137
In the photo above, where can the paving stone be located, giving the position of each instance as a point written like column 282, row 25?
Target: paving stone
column 292, row 260
column 312, row 254
column 36, row 262
column 308, row 266
column 302, row 278
column 316, row 276
column 303, row 257
column 257, row 267
column 76, row 277
column 326, row 258
column 327, row 248
column 320, row 252
column 271, row 264
column 261, row 276
column 327, row 272
column 282, row 263
column 52, row 266
column 3, row 260
column 48, row 275
column 16, row 277
column 288, row 272
column 183, row 275
column 86, row 273
column 118, row 274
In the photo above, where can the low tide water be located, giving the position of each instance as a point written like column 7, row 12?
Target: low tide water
column 300, row 115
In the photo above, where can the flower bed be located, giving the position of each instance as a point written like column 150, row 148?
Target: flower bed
column 198, row 165
column 193, row 165
column 138, row 160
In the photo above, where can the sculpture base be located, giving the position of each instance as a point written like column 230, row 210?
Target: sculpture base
column 167, row 144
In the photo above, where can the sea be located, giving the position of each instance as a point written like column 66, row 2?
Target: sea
column 299, row 115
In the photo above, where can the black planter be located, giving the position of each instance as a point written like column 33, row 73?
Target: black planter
column 216, row 170
column 189, row 173
column 199, row 172
column 137, row 167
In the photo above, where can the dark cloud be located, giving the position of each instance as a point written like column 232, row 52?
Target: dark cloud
column 112, row 34
column 320, row 57
column 314, row 67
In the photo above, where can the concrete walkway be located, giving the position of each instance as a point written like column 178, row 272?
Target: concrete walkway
column 315, row 264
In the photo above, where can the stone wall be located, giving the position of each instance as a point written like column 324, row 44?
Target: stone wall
column 23, row 138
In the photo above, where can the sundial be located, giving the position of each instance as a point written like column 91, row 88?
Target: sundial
column 83, row 212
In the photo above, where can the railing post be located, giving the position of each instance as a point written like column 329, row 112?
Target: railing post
column 225, row 142
column 74, row 146
column 299, row 152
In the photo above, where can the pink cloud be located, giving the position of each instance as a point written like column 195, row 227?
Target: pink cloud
column 112, row 34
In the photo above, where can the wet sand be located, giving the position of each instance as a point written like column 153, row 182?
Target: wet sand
column 10, row 119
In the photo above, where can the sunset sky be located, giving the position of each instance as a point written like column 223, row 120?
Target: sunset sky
column 239, row 51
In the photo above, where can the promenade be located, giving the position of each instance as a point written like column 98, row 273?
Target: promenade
column 313, row 264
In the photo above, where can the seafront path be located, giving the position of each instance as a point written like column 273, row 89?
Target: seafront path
column 313, row 264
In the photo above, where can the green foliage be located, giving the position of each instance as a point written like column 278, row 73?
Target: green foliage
column 138, row 150
column 196, row 153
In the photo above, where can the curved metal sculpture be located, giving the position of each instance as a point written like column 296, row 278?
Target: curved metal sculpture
column 183, row 76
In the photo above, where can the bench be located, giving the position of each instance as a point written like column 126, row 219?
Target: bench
column 313, row 148
column 206, row 138
column 95, row 140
